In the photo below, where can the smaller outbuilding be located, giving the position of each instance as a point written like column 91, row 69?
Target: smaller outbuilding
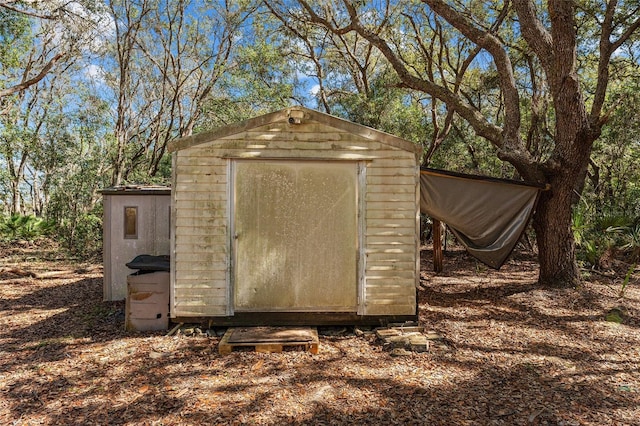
column 136, row 221
column 295, row 217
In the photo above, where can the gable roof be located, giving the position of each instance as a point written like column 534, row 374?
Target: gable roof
column 291, row 114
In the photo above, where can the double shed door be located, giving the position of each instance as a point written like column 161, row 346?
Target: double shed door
column 295, row 235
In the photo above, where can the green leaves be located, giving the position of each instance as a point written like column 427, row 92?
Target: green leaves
column 23, row 227
column 15, row 39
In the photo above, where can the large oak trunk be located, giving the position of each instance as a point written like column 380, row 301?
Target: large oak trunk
column 556, row 246
column 552, row 220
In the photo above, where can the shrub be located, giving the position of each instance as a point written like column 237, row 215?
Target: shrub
column 23, row 227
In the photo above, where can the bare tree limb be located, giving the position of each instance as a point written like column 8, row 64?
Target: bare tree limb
column 607, row 48
column 9, row 6
column 494, row 46
column 34, row 80
column 317, row 19
column 536, row 35
column 312, row 56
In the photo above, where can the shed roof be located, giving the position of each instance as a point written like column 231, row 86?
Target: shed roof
column 136, row 190
column 295, row 115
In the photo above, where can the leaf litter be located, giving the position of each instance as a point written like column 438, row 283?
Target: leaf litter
column 512, row 354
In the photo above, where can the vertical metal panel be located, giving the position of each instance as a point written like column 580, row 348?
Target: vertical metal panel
column 161, row 225
column 295, row 235
column 172, row 239
column 230, row 234
column 362, row 243
column 417, row 234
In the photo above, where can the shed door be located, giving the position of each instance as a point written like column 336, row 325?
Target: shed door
column 295, row 226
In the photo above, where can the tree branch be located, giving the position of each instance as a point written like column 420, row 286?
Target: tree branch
column 485, row 39
column 317, row 19
column 607, row 48
column 30, row 82
column 626, row 35
column 536, row 35
column 8, row 6
column 312, row 55
column 482, row 127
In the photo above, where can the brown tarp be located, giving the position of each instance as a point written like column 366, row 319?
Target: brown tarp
column 487, row 215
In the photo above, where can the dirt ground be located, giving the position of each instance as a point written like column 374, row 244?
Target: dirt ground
column 512, row 353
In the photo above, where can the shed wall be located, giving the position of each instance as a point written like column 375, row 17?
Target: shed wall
column 152, row 236
column 201, row 248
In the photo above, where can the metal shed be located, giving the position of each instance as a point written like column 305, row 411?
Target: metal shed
column 136, row 221
column 295, row 217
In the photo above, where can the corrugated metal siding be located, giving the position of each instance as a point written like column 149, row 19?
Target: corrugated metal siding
column 201, row 248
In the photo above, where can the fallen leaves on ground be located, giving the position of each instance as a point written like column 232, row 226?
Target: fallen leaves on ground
column 512, row 354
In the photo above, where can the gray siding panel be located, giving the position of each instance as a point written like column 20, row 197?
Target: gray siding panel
column 152, row 235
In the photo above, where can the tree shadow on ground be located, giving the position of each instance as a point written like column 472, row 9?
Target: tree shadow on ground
column 510, row 395
column 56, row 319
column 351, row 381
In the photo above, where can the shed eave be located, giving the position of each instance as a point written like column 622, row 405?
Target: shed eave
column 282, row 116
column 136, row 190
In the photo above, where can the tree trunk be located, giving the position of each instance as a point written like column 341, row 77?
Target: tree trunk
column 16, row 175
column 552, row 220
column 556, row 246
column 15, row 198
column 118, row 163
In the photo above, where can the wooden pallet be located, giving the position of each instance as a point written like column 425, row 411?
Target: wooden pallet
column 269, row 339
